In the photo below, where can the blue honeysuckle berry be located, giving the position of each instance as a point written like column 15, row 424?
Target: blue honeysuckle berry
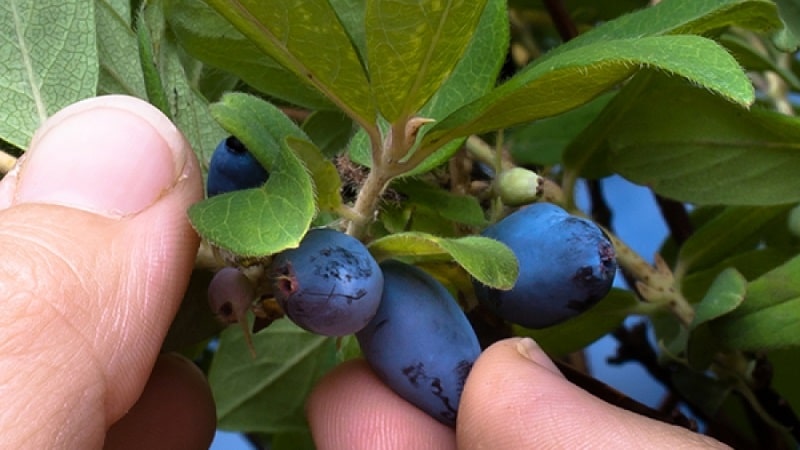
column 566, row 265
column 233, row 168
column 330, row 284
column 420, row 343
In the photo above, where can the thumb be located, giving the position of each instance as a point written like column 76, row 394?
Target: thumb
column 97, row 251
column 515, row 397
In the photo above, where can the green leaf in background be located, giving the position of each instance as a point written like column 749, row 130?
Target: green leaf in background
column 770, row 314
column 721, row 236
column 262, row 221
column 751, row 264
column 790, row 15
column 49, row 54
column 116, row 42
column 700, row 17
column 464, row 209
column 488, row 260
column 267, row 394
column 194, row 323
column 324, row 174
column 725, row 294
column 756, row 59
column 543, row 142
column 156, row 94
column 556, row 84
column 582, row 330
column 210, row 38
column 329, row 130
column 732, row 156
column 706, row 394
column 308, row 39
column 187, row 107
column 412, row 47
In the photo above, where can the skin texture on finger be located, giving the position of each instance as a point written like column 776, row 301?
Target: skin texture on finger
column 175, row 411
column 512, row 401
column 92, row 274
column 351, row 409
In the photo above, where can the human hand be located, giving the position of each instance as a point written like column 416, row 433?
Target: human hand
column 97, row 252
column 514, row 398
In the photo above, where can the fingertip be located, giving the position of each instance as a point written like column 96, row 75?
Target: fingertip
column 112, row 155
column 352, row 409
column 176, row 410
column 515, row 397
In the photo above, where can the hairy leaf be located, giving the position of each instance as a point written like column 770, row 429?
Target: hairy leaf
column 412, row 47
column 267, row 393
column 307, row 39
column 488, row 260
column 261, row 221
column 571, row 78
column 49, row 54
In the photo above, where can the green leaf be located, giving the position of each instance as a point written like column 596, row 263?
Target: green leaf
column 703, row 392
column 556, row 84
column 267, row 394
column 790, row 15
column 543, row 142
column 434, row 35
column 752, row 264
column 464, row 209
column 474, row 75
column 121, row 8
column 769, row 315
column 116, row 42
column 194, row 322
column 188, row 108
column 307, row 39
column 731, row 157
column 156, row 94
column 329, row 130
column 326, row 178
column 725, row 295
column 262, row 221
column 210, row 38
column 701, row 17
column 352, row 14
column 722, row 235
column 582, row 330
column 298, row 440
column 488, row 260
column 752, row 58
column 49, row 54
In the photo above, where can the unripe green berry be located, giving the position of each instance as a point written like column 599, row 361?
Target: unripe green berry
column 518, row 186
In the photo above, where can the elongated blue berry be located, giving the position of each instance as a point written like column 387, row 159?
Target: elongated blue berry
column 566, row 265
column 420, row 342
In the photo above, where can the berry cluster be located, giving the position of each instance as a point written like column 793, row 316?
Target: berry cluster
column 409, row 327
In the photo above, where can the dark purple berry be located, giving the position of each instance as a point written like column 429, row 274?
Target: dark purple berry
column 329, row 284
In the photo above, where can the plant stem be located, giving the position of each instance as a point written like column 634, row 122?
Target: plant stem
column 367, row 201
